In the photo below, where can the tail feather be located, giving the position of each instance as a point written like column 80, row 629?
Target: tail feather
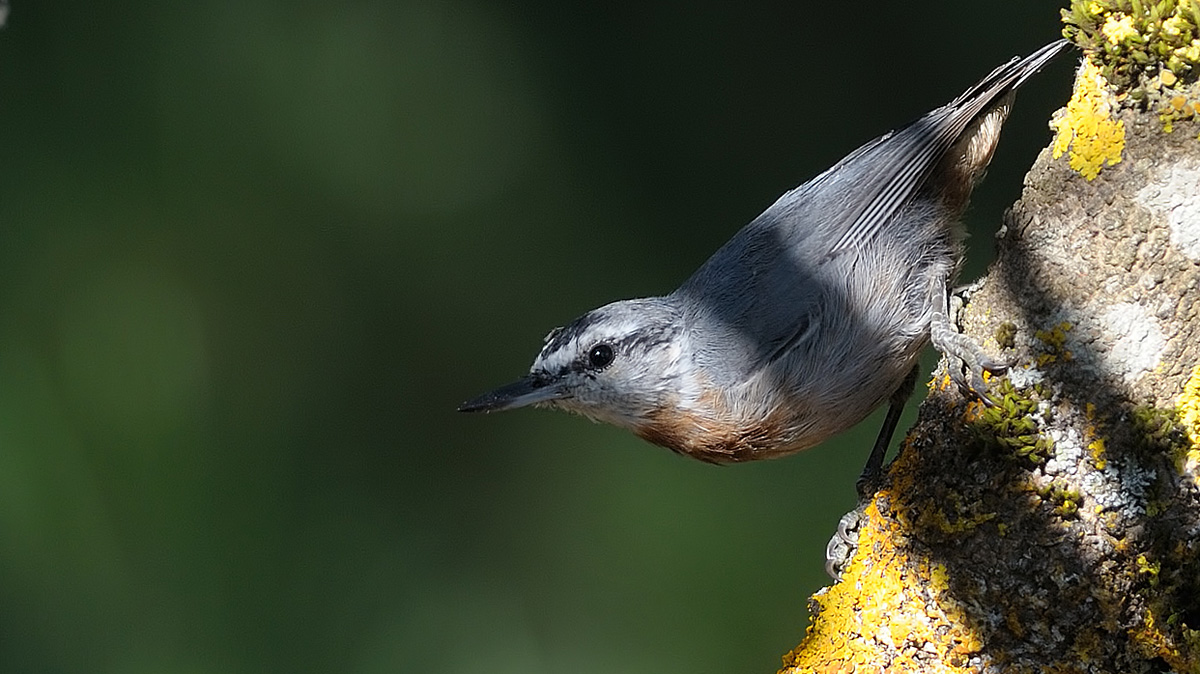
column 907, row 157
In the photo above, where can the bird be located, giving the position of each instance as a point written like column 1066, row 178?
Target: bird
column 809, row 318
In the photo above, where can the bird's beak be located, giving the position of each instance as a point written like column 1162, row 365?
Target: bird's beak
column 526, row 391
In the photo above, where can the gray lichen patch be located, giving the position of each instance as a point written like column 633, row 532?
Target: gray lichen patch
column 1136, row 341
column 1175, row 198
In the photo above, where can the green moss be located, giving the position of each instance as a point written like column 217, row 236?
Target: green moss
column 1066, row 500
column 1132, row 39
column 1160, row 431
column 1009, row 425
column 1006, row 335
column 1054, row 339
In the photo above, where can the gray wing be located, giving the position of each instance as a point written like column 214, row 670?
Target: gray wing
column 761, row 292
column 764, row 290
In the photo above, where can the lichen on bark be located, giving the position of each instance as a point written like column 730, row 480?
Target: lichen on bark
column 1060, row 529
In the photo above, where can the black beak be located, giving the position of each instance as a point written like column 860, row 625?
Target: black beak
column 521, row 393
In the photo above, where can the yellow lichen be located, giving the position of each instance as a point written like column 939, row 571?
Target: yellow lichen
column 1190, row 52
column 1118, row 28
column 1155, row 638
column 1087, row 128
column 888, row 609
column 1147, row 568
column 956, row 517
column 1188, row 405
column 1174, row 26
column 1096, row 448
column 1177, row 108
column 940, row 577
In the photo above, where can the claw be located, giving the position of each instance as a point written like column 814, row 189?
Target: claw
column 968, row 361
column 840, row 549
column 998, row 367
column 970, row 381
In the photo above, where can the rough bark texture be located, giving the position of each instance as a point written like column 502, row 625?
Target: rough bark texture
column 1058, row 531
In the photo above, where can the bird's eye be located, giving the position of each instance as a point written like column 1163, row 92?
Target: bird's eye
column 600, row 356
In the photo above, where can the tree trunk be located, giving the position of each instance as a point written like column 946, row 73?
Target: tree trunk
column 1058, row 531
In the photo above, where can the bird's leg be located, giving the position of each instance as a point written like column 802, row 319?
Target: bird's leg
column 967, row 360
column 871, row 472
column 841, row 547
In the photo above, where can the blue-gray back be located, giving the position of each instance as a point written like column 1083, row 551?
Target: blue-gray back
column 768, row 288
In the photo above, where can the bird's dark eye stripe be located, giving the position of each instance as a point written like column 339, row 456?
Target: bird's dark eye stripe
column 600, row 356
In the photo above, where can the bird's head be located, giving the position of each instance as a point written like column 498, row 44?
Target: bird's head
column 614, row 364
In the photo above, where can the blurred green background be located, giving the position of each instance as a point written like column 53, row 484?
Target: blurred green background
column 254, row 253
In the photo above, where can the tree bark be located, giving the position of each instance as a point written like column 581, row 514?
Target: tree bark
column 1058, row 531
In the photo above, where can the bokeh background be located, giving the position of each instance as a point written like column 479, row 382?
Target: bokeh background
column 254, row 253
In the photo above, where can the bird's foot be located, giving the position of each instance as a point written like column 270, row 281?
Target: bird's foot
column 967, row 360
column 841, row 548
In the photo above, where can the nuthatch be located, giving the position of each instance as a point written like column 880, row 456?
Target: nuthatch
column 809, row 318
